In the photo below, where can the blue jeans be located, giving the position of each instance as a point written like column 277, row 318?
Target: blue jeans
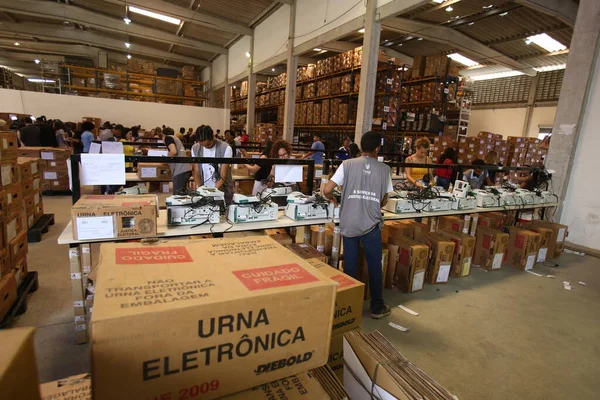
column 372, row 247
column 443, row 182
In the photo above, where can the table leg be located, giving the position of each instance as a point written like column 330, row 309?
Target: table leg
column 77, row 279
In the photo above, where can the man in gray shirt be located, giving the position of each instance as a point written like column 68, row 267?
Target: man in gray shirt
column 365, row 184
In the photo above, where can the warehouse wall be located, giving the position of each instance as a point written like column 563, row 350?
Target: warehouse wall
column 271, row 35
column 219, row 70
column 205, row 74
column 504, row 121
column 582, row 203
column 541, row 116
column 73, row 108
column 238, row 62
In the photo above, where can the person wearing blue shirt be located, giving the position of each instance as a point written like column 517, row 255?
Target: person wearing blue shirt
column 318, row 150
column 87, row 136
column 344, row 151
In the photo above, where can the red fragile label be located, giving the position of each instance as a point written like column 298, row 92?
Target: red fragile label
column 456, row 245
column 404, row 256
column 135, row 203
column 456, row 227
column 342, row 280
column 152, row 255
column 519, row 241
column 271, row 277
column 487, row 241
column 483, row 222
column 92, row 197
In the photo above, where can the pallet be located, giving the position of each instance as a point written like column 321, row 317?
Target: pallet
column 34, row 234
column 56, row 193
column 30, row 284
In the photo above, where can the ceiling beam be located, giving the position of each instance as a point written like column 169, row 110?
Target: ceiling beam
column 406, row 59
column 93, row 39
column 565, row 11
column 456, row 39
column 63, row 12
column 480, row 16
column 338, row 46
column 290, row 2
column 187, row 15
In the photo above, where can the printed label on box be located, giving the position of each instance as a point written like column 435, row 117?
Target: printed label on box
column 76, row 275
column 418, row 279
column 50, row 175
column 79, row 318
column 561, row 235
column 443, row 272
column 87, row 269
column 95, row 227
column 497, row 263
column 343, row 280
column 270, row 277
column 73, row 253
column 85, row 249
column 148, row 172
column 530, row 262
column 47, row 155
column 79, row 327
column 466, row 266
column 542, row 255
column 153, row 255
column 78, row 303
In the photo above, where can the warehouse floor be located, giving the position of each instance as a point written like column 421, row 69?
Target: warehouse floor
column 492, row 335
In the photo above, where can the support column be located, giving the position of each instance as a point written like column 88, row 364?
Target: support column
column 530, row 103
column 573, row 97
column 227, row 96
column 290, row 83
column 368, row 72
column 251, row 110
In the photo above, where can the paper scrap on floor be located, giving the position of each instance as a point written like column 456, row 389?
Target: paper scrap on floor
column 534, row 273
column 408, row 310
column 567, row 285
column 399, row 327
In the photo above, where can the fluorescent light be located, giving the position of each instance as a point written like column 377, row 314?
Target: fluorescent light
column 419, row 39
column 40, row 80
column 17, row 44
column 128, row 45
column 439, row 1
column 37, row 61
column 488, row 7
column 127, row 20
column 550, row 68
column 129, row 56
column 273, row 69
column 449, row 8
column 497, row 75
column 463, row 60
column 504, row 14
column 248, row 54
column 547, row 43
column 362, row 30
column 471, row 24
column 234, row 86
column 154, row 15
column 317, row 49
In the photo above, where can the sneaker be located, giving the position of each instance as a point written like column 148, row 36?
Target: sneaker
column 383, row 312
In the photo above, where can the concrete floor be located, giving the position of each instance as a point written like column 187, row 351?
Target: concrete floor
column 493, row 335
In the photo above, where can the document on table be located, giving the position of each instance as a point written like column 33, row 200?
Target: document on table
column 112, row 148
column 288, row 173
column 158, row 153
column 95, row 148
column 102, row 169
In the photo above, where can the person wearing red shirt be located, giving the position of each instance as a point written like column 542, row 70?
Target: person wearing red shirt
column 245, row 138
column 444, row 175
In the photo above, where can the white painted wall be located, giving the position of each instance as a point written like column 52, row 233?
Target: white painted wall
column 541, row 116
column 315, row 17
column 219, row 68
column 504, row 121
column 582, row 204
column 205, row 74
column 149, row 115
column 238, row 62
column 271, row 35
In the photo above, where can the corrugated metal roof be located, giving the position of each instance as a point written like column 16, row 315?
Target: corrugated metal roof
column 545, row 61
column 186, row 51
column 207, row 34
column 422, row 48
column 461, row 9
column 149, row 43
column 235, row 10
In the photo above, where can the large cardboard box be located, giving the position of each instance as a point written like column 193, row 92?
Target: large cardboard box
column 9, row 147
column 493, row 220
column 463, row 252
column 14, row 198
column 348, row 300
column 55, row 154
column 557, row 242
column 412, row 263
column 440, row 261
column 158, row 172
column 9, row 174
column 18, row 248
column 101, row 217
column 452, row 223
column 8, row 294
column 12, row 225
column 55, row 166
column 490, row 245
column 523, row 246
column 336, row 354
column 545, row 240
column 18, row 370
column 306, row 251
column 242, row 311
column 280, row 235
column 74, row 387
column 28, row 166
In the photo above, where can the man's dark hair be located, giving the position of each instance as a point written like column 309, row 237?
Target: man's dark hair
column 353, row 150
column 479, row 161
column 370, row 141
column 204, row 132
column 168, row 131
column 182, row 130
column 120, row 128
column 318, row 134
column 88, row 126
column 28, row 120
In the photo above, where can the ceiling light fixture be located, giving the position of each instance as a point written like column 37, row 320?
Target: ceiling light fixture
column 37, row 60
column 419, row 39
column 317, row 49
column 248, row 54
column 400, row 44
column 546, row 42
column 273, row 69
column 128, row 45
column 550, row 68
column 449, row 8
column 361, row 30
column 17, row 44
column 486, row 8
column 471, row 24
column 154, row 15
column 234, row 86
column 439, row 1
column 504, row 14
column 40, row 80
column 463, row 60
column 127, row 20
column 497, row 75
column 129, row 56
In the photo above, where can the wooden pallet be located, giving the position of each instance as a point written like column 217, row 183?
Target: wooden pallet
column 29, row 285
column 34, row 234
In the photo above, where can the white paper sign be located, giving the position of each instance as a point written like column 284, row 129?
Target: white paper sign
column 112, row 148
column 148, row 172
column 561, row 235
column 530, row 262
column 95, row 228
column 70, row 175
column 497, row 263
column 380, row 159
column 443, row 272
column 288, row 173
column 418, row 280
column 47, row 155
column 49, row 175
column 78, row 303
column 542, row 255
column 318, row 173
column 102, row 169
column 95, row 148
column 158, row 153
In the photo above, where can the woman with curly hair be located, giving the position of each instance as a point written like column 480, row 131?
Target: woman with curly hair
column 263, row 175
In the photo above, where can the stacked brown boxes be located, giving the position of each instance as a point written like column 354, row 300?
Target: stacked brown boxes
column 55, row 175
column 435, row 66
column 525, row 151
column 490, row 246
column 557, row 240
column 31, row 183
column 440, row 144
column 264, row 133
column 13, row 235
column 463, row 252
column 440, row 261
column 418, row 68
column 523, row 247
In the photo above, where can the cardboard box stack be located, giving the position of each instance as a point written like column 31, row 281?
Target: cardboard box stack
column 523, row 247
column 556, row 242
column 157, row 172
column 18, row 369
column 525, row 151
column 463, row 252
column 348, row 311
column 31, row 183
column 52, row 166
column 244, row 322
column 267, row 132
column 490, row 247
